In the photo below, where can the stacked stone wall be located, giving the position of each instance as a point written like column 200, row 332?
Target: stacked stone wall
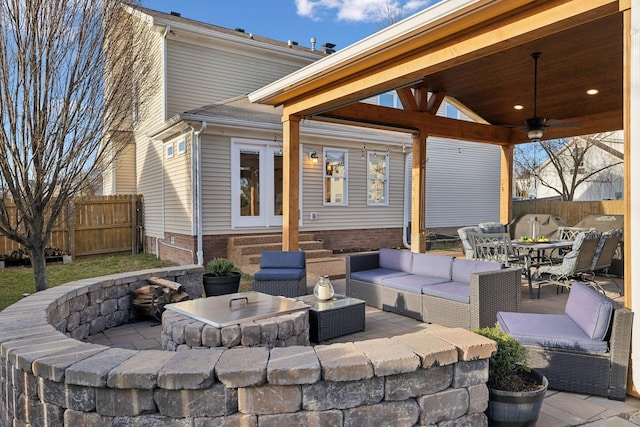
column 47, row 377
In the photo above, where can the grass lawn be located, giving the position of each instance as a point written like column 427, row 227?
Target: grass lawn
column 15, row 281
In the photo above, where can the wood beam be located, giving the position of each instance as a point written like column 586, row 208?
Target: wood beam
column 435, row 101
column 506, row 183
column 434, row 54
column 418, row 192
column 375, row 116
column 407, row 99
column 290, row 182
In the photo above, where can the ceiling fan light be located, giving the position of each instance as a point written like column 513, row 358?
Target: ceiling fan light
column 535, row 135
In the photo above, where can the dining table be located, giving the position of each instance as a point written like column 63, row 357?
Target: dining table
column 534, row 252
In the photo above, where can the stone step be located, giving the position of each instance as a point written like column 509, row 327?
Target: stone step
column 253, row 249
column 309, row 254
column 256, row 239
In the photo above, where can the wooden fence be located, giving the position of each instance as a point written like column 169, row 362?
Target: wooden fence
column 571, row 212
column 95, row 226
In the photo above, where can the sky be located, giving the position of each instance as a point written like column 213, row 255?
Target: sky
column 341, row 22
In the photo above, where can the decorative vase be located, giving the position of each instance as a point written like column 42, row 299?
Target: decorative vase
column 323, row 290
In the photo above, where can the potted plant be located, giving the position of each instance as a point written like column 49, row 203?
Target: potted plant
column 429, row 236
column 221, row 277
column 516, row 392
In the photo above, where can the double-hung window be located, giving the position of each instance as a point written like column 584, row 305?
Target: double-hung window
column 377, row 178
column 335, row 177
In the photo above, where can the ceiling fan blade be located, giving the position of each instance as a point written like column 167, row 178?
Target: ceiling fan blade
column 556, row 123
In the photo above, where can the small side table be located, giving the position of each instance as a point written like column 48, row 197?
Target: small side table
column 338, row 316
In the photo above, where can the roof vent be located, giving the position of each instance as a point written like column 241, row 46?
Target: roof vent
column 240, row 30
column 291, row 43
column 175, row 13
column 328, row 48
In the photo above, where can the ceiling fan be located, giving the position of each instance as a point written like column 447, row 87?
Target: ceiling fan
column 535, row 125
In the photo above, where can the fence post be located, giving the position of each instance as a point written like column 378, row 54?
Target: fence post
column 71, row 219
column 134, row 225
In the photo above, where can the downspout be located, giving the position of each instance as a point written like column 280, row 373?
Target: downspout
column 407, row 190
column 167, row 29
column 196, row 143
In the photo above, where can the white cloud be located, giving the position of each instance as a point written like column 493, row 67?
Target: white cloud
column 358, row 10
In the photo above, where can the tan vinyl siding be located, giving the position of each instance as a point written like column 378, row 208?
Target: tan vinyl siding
column 200, row 75
column 125, row 171
column 216, row 184
column 178, row 208
column 149, row 157
column 357, row 214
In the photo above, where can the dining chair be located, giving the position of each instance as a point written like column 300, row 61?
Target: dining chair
column 605, row 251
column 576, row 264
column 495, row 247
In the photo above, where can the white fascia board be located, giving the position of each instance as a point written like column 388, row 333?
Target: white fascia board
column 345, row 56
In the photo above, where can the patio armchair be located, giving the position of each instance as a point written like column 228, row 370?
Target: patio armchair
column 605, row 251
column 575, row 264
column 485, row 227
column 570, row 233
column 281, row 273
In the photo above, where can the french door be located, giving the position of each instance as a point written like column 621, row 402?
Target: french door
column 256, row 184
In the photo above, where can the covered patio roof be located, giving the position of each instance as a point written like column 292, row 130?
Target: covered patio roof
column 477, row 55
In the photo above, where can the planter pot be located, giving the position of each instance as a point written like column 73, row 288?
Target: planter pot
column 516, row 409
column 220, row 285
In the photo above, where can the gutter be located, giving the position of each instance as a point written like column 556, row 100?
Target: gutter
column 196, row 144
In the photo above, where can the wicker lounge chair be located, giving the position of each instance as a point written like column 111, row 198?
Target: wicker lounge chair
column 281, row 273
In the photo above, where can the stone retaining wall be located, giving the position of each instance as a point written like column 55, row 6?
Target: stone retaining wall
column 48, row 378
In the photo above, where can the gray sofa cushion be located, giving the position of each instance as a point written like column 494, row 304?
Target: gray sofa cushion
column 462, row 268
column 377, row 275
column 411, row 282
column 284, row 274
column 395, row 259
column 453, row 291
column 549, row 330
column 432, row 265
column 590, row 310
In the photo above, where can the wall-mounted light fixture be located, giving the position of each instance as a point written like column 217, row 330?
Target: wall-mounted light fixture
column 313, row 156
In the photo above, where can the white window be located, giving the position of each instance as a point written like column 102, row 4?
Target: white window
column 335, row 177
column 182, row 146
column 169, row 150
column 377, row 178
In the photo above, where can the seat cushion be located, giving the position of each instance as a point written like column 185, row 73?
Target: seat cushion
column 280, row 274
column 492, row 227
column 376, row 275
column 411, row 282
column 453, row 291
column 549, row 330
column 590, row 310
column 432, row 265
column 395, row 259
column 462, row 268
column 282, row 259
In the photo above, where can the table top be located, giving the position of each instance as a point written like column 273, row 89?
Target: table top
column 232, row 309
column 333, row 303
column 552, row 244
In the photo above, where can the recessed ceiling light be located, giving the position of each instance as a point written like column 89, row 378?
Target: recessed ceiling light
column 592, row 92
column 518, row 107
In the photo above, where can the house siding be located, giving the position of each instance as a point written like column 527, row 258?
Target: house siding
column 178, row 193
column 199, row 75
column 125, row 171
column 216, row 184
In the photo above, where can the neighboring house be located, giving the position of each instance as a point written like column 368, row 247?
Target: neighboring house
column 209, row 163
column 599, row 153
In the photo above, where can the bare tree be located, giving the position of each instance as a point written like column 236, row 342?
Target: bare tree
column 70, row 71
column 389, row 12
column 563, row 165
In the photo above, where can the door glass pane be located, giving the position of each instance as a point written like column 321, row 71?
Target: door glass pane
column 249, row 184
column 277, row 184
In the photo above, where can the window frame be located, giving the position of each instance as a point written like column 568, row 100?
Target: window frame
column 385, row 180
column 169, row 150
column 344, row 177
column 182, row 142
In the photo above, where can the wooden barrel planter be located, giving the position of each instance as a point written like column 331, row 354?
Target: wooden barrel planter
column 221, row 285
column 516, row 409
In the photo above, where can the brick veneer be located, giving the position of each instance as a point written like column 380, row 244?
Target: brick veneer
column 48, row 377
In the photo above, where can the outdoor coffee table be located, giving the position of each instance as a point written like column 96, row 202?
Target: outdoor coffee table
column 233, row 309
column 338, row 316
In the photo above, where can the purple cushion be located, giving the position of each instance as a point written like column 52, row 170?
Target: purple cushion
column 590, row 310
column 432, row 265
column 548, row 330
column 462, row 268
column 280, row 274
column 395, row 259
column 454, row 291
column 377, row 275
column 411, row 282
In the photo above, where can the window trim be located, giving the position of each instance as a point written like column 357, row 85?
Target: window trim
column 169, row 150
column 182, row 142
column 345, row 177
column 385, row 179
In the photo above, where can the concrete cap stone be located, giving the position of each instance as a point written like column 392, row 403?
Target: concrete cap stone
column 471, row 346
column 243, row 367
column 389, row 358
column 189, row 370
column 293, row 365
column 432, row 350
column 343, row 362
column 140, row 370
column 93, row 371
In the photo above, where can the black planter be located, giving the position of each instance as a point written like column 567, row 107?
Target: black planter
column 516, row 409
column 220, row 285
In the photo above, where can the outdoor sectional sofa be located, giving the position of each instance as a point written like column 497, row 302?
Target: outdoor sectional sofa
column 584, row 350
column 439, row 289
